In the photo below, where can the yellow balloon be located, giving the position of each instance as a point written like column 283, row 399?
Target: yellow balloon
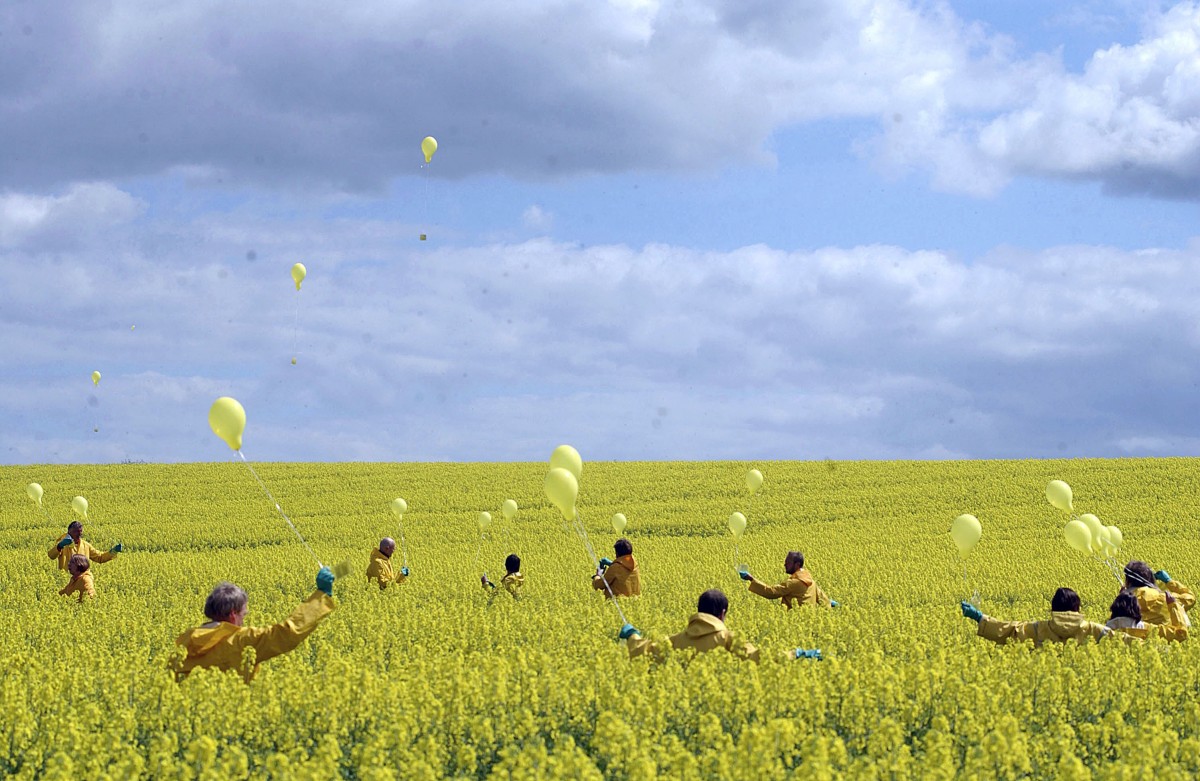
column 95, row 378
column 399, row 507
column 428, row 147
column 567, row 457
column 299, row 272
column 1096, row 529
column 1115, row 538
column 1059, row 494
column 35, row 493
column 965, row 530
column 80, row 506
column 509, row 508
column 619, row 522
column 754, row 480
column 737, row 525
column 1078, row 535
column 227, row 419
column 485, row 520
column 562, row 488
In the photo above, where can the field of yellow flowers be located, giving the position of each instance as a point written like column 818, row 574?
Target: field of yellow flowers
column 427, row 681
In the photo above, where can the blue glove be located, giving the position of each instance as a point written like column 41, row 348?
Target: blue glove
column 605, row 562
column 1163, row 576
column 745, row 575
column 64, row 542
column 814, row 653
column 971, row 612
column 116, row 548
column 833, row 603
column 627, row 631
column 404, row 571
column 325, row 581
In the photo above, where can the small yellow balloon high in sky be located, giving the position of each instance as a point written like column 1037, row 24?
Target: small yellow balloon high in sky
column 428, row 147
column 299, row 272
column 96, row 378
column 227, row 419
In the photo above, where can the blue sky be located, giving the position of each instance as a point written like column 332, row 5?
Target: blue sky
column 709, row 229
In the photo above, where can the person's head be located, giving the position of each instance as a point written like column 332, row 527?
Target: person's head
column 387, row 546
column 1065, row 600
column 227, row 602
column 623, row 547
column 793, row 561
column 1138, row 574
column 714, row 602
column 77, row 565
column 1126, row 606
column 512, row 563
column 75, row 530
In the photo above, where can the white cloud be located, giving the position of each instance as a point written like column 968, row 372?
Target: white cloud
column 492, row 352
column 536, row 218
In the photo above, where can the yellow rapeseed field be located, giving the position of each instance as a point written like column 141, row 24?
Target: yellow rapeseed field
column 427, row 681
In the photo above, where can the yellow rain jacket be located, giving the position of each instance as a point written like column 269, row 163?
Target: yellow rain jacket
column 799, row 587
column 83, row 549
column 704, row 633
column 81, row 585
column 622, row 577
column 380, row 571
column 513, row 582
column 1062, row 626
column 1167, row 611
column 220, row 644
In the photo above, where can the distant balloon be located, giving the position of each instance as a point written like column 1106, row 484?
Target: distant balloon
column 509, row 508
column 568, row 458
column 965, row 530
column 95, row 378
column 737, row 525
column 399, row 507
column 1059, row 495
column 562, row 489
column 754, row 481
column 428, row 147
column 299, row 272
column 227, row 418
column 80, row 506
column 1097, row 530
column 34, row 491
column 618, row 522
column 1115, row 538
column 1078, row 535
column 485, row 520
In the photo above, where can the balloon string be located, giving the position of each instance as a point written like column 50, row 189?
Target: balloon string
column 596, row 563
column 296, row 324
column 403, row 549
column 478, row 548
column 279, row 509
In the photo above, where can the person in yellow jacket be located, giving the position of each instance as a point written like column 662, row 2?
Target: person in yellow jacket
column 620, row 577
column 81, row 579
column 73, row 544
column 1066, row 623
column 705, row 631
column 1166, row 608
column 1125, row 615
column 222, row 642
column 512, row 582
column 798, row 587
column 379, row 570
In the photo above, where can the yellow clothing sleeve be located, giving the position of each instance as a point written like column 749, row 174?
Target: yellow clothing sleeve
column 1003, row 631
column 271, row 641
column 771, row 592
column 640, row 646
column 598, row 583
column 99, row 557
column 1181, row 593
column 54, row 551
column 747, row 651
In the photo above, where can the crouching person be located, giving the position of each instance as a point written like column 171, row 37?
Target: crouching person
column 1065, row 623
column 222, row 641
column 81, row 579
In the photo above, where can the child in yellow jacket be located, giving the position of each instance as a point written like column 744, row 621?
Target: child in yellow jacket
column 223, row 641
column 512, row 582
column 81, row 578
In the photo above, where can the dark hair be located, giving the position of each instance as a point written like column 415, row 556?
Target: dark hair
column 225, row 600
column 714, row 602
column 1065, row 600
column 74, row 525
column 80, row 563
column 512, row 563
column 1126, row 606
column 623, row 547
column 1138, row 574
column 795, row 556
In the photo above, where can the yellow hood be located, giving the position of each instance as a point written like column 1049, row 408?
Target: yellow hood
column 201, row 640
column 702, row 625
